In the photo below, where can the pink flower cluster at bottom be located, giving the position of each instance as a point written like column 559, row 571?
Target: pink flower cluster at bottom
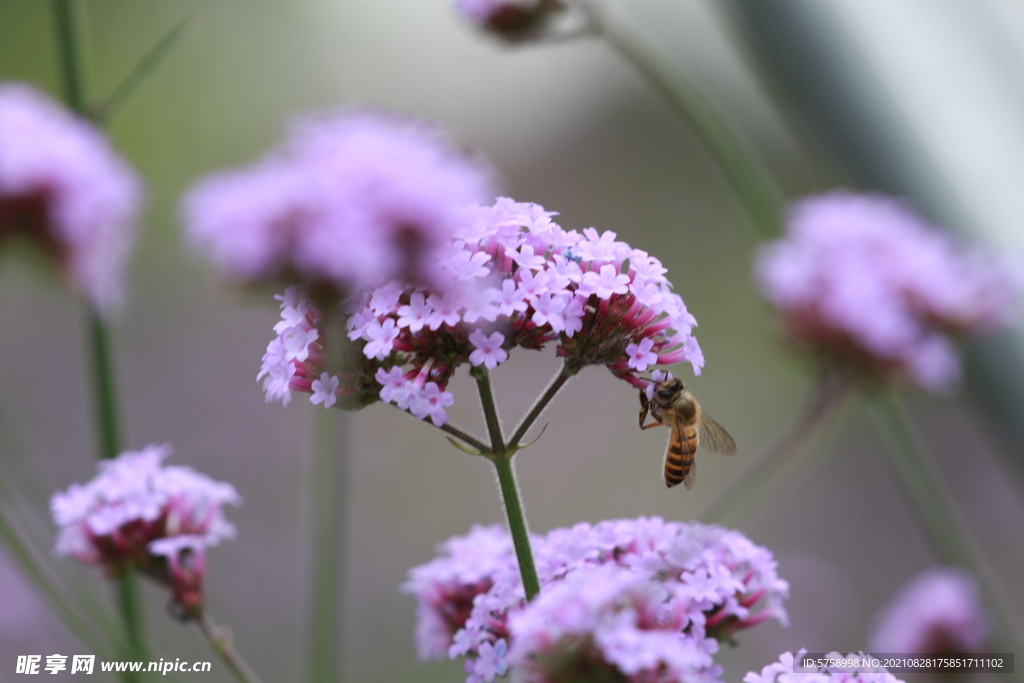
column 633, row 600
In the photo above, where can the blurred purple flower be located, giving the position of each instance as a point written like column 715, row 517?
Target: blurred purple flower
column 633, row 596
column 64, row 187
column 788, row 670
column 868, row 283
column 938, row 611
column 351, row 198
column 511, row 20
column 137, row 514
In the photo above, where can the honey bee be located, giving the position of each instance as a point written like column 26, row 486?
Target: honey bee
column 673, row 405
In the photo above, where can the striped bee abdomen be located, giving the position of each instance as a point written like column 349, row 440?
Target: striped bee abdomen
column 679, row 457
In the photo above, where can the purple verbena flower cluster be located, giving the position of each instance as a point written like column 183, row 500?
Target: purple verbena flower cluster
column 514, row 278
column 646, row 599
column 352, row 197
column 938, row 611
column 868, row 283
column 64, row 187
column 788, row 670
column 137, row 514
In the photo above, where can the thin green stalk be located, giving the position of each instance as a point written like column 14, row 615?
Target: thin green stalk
column 222, row 642
column 66, row 28
column 130, row 605
column 745, row 172
column 105, row 405
column 483, row 383
column 501, row 456
column 946, row 527
column 69, row 58
column 146, row 66
column 20, row 552
column 563, row 376
column 83, row 615
column 517, row 524
column 108, row 444
column 754, row 484
column 328, row 545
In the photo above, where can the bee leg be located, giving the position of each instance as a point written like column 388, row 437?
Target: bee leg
column 647, row 409
column 645, row 406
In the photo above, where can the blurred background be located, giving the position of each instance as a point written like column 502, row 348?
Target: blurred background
column 922, row 98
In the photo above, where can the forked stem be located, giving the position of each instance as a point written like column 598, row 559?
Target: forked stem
column 564, row 375
column 501, row 455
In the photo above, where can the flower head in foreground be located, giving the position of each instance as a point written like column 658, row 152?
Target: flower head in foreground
column 514, row 279
column 64, row 188
column 788, row 670
column 938, row 611
column 351, row 198
column 869, row 284
column 634, row 600
column 137, row 514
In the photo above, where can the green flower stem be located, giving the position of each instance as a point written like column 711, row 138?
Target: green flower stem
column 66, row 30
column 943, row 522
column 328, row 545
column 750, row 180
column 104, row 392
column 793, row 448
column 563, row 376
column 517, row 524
column 86, row 619
column 149, row 63
column 483, row 383
column 501, row 455
column 222, row 642
column 69, row 59
column 130, row 606
column 34, row 570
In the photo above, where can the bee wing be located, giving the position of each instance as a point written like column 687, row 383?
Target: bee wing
column 714, row 437
column 691, row 476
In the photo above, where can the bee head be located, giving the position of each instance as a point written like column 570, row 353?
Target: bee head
column 669, row 389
